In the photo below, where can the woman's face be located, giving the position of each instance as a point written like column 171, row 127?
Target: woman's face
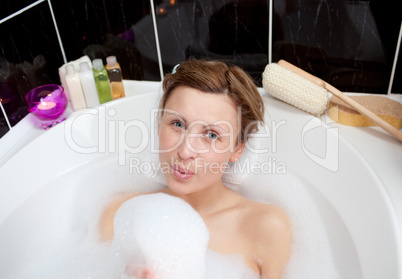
column 197, row 138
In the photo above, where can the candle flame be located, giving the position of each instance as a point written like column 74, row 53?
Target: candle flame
column 43, row 103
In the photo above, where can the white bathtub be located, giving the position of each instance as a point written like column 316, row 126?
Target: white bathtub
column 48, row 172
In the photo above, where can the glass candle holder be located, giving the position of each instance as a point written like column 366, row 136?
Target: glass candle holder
column 48, row 103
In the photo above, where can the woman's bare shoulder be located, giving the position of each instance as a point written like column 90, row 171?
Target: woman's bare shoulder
column 271, row 231
column 267, row 218
column 257, row 211
column 272, row 216
column 106, row 221
column 273, row 239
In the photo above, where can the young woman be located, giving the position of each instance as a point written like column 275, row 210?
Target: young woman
column 208, row 109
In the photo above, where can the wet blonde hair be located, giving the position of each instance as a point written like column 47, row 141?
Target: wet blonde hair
column 217, row 77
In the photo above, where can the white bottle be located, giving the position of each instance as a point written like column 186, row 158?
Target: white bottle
column 74, row 88
column 88, row 85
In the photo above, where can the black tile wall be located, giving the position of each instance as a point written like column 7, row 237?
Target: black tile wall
column 101, row 28
column 8, row 7
column 235, row 31
column 29, row 56
column 349, row 43
column 30, row 53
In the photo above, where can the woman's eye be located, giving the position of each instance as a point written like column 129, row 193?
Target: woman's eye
column 212, row 136
column 178, row 124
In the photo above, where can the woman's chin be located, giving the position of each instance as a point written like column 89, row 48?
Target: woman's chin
column 181, row 187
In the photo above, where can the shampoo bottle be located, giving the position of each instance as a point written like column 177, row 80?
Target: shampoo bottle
column 115, row 77
column 88, row 85
column 74, row 88
column 101, row 81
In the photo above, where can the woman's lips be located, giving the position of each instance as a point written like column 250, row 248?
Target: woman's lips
column 181, row 173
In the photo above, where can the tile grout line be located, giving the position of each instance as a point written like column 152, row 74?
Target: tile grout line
column 57, row 32
column 398, row 45
column 271, row 6
column 5, row 114
column 21, row 11
column 158, row 50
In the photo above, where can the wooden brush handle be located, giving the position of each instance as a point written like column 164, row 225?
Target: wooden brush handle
column 370, row 115
column 367, row 113
column 290, row 67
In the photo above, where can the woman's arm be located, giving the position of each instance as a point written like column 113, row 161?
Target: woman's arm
column 106, row 227
column 106, row 230
column 274, row 239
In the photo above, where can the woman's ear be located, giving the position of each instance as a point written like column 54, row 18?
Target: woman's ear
column 236, row 155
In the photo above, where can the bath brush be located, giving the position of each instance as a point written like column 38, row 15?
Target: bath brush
column 388, row 109
column 294, row 86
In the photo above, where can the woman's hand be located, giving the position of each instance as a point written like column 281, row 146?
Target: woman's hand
column 138, row 272
column 143, row 273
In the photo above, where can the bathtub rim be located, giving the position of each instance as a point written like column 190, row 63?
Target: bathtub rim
column 385, row 192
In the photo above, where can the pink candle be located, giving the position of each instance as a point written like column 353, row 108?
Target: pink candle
column 46, row 105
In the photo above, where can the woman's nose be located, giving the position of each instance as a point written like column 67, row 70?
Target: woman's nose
column 190, row 147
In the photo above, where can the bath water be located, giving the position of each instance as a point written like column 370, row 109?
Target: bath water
column 65, row 244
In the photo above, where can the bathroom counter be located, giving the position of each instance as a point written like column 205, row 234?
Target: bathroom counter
column 382, row 152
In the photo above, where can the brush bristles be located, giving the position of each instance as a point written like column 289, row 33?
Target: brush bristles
column 295, row 90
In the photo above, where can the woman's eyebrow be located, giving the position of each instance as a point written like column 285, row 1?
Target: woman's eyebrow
column 219, row 125
column 214, row 126
column 223, row 125
column 175, row 114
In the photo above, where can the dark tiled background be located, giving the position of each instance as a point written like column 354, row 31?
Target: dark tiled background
column 350, row 44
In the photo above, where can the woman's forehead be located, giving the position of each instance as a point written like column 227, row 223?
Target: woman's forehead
column 194, row 105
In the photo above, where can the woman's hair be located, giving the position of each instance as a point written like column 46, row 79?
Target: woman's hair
column 219, row 78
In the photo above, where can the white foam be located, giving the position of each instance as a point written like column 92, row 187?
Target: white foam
column 168, row 234
column 68, row 246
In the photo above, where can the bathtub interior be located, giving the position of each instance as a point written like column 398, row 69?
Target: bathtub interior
column 80, row 158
